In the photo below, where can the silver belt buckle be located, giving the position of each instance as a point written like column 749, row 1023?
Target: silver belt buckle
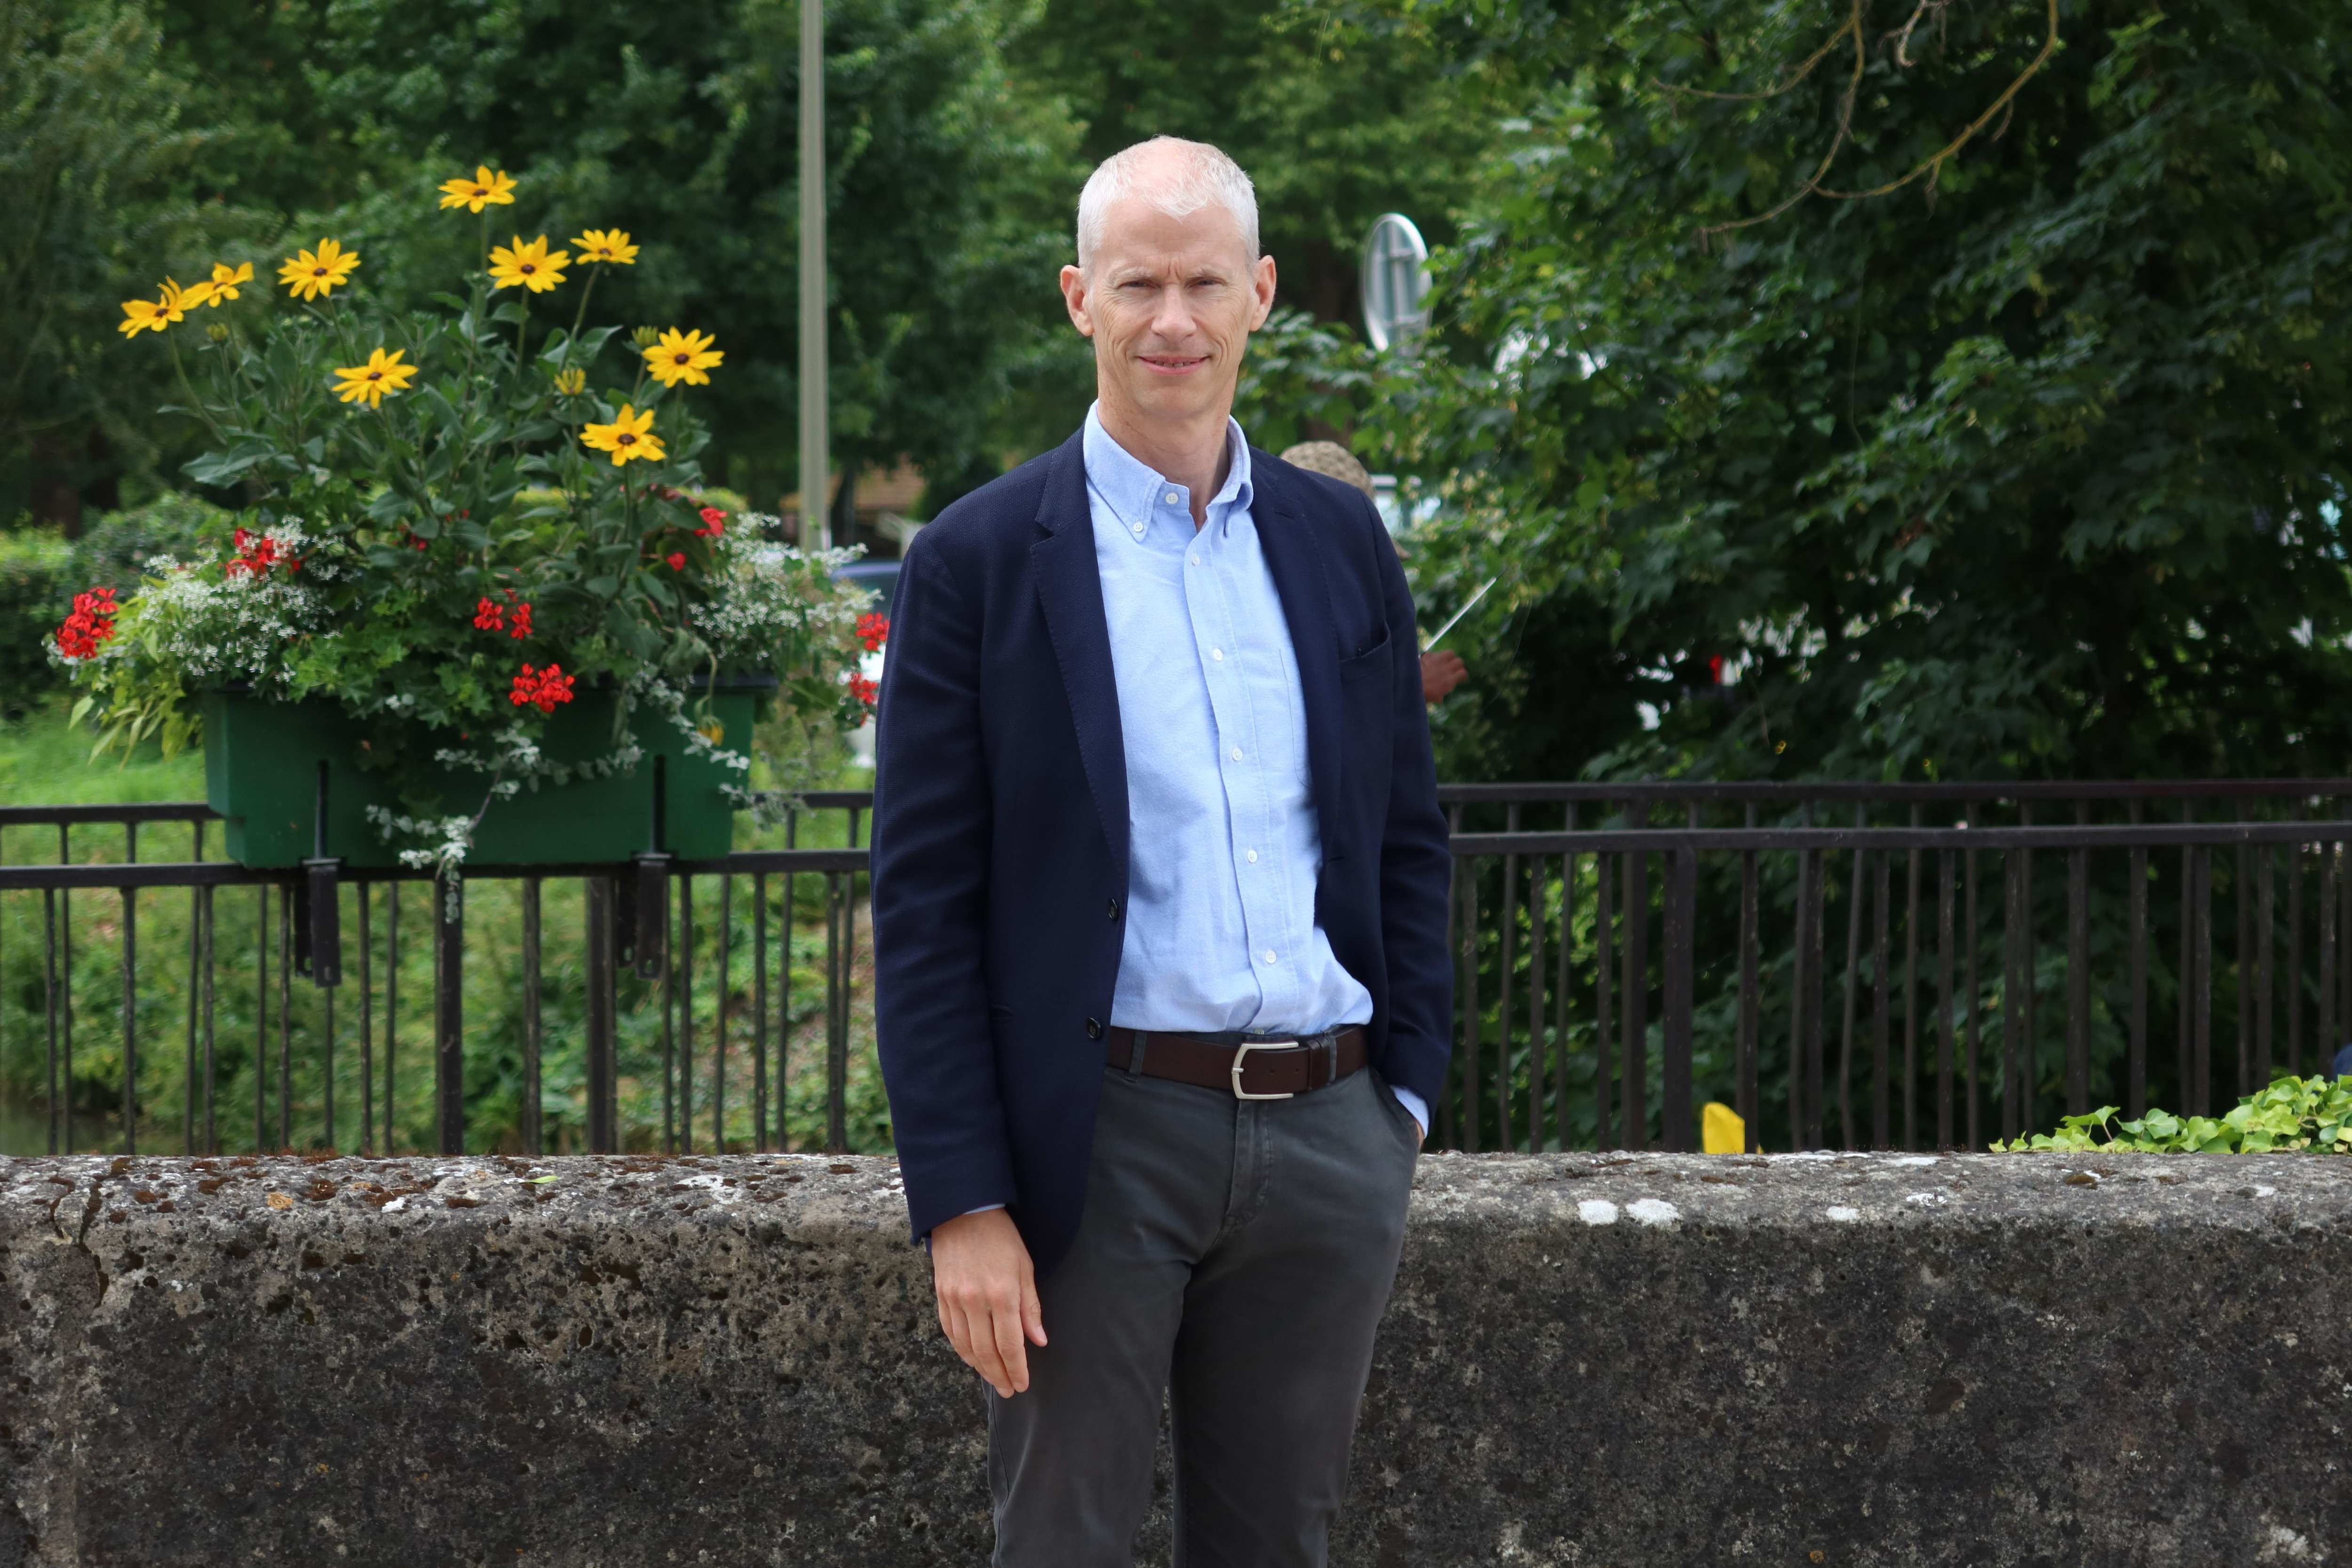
column 1241, row 1054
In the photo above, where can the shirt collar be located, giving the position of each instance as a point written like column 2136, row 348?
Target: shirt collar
column 1137, row 493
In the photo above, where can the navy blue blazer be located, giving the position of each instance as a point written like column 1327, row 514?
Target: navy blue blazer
column 1001, row 827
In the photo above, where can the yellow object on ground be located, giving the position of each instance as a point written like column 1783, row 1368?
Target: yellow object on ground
column 1721, row 1130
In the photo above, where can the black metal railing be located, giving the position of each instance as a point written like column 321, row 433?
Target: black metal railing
column 341, row 929
column 1613, row 973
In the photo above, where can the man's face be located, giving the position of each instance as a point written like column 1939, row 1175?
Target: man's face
column 1170, row 303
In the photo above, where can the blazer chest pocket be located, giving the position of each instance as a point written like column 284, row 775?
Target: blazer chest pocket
column 1369, row 656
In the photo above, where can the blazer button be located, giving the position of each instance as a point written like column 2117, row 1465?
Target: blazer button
column 1113, row 908
column 1094, row 1028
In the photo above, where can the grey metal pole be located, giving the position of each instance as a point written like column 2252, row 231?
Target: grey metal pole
column 816, row 527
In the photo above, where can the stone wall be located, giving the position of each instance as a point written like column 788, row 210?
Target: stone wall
column 1590, row 1360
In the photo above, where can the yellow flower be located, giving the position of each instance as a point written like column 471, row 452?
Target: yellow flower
column 227, row 277
column 571, row 381
column 141, row 316
column 309, row 276
column 629, row 436
column 607, row 245
column 484, row 190
column 683, row 356
column 528, row 264
column 371, row 383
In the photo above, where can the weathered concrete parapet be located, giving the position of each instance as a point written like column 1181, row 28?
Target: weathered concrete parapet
column 1590, row 1360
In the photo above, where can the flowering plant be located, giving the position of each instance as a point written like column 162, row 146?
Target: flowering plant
column 462, row 520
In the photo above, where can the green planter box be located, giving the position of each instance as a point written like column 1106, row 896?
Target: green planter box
column 261, row 773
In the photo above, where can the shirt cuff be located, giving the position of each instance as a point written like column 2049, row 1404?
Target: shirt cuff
column 1416, row 1106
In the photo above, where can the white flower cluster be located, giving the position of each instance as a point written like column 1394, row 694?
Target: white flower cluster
column 215, row 626
column 518, row 763
column 449, row 837
column 774, row 596
column 668, row 698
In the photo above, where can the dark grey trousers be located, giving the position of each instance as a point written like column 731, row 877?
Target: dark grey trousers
column 1236, row 1254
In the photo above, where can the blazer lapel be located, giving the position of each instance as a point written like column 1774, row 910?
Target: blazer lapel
column 1295, row 560
column 1069, row 591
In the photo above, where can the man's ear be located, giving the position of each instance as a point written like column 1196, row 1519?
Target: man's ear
column 1262, row 285
column 1074, row 297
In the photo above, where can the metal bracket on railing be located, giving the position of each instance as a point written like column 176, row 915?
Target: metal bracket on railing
column 319, row 923
column 640, row 917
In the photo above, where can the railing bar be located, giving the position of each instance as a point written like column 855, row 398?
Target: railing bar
column 1751, row 1008
column 1506, row 1136
column 449, row 1013
column 1633, row 1102
column 2200, row 1058
column 1968, row 793
column 1944, row 879
column 1563, row 996
column 1858, row 870
column 1470, row 1052
column 1603, row 1019
column 188, row 1077
column 65, row 975
column 285, row 1019
column 367, row 1020
column 785, row 1001
column 2343, row 957
column 130, row 998
column 1882, row 898
column 533, row 1019
column 836, row 1005
column 2185, row 973
column 1976, row 1007
column 2294, row 995
column 668, row 1017
column 2136, row 1066
column 685, row 1012
column 1629, row 840
column 2016, row 965
column 327, row 1056
column 760, row 1012
column 603, row 1007
column 718, row 1016
column 1536, row 1043
column 2078, row 977
column 838, row 1071
column 2244, row 971
column 2265, row 960
column 391, row 1014
column 2029, row 1081
column 1674, row 1120
column 212, row 1131
column 262, row 1024
column 59, row 1110
column 1911, row 994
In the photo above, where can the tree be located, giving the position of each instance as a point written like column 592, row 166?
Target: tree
column 2033, row 465
column 93, row 163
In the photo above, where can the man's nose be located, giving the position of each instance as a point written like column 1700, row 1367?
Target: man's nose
column 1172, row 316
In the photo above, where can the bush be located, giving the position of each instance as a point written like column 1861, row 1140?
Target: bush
column 2293, row 1113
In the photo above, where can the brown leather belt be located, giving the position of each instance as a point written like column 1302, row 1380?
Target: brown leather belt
column 1247, row 1070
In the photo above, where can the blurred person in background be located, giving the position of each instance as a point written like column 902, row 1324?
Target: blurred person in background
column 1442, row 669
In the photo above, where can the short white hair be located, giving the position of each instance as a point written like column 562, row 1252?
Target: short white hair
column 1177, row 176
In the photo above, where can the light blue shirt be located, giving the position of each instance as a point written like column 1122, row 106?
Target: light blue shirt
column 1225, row 848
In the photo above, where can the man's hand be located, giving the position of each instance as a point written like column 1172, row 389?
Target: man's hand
column 988, row 1297
column 1441, row 672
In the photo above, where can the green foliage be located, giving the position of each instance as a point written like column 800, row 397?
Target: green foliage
column 32, row 601
column 94, row 158
column 2034, row 467
column 2313, row 1114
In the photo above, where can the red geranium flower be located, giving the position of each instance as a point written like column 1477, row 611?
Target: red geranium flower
column 873, row 631
column 677, row 561
column 521, row 627
column 489, row 617
column 91, row 623
column 862, row 688
column 541, row 689
column 714, row 523
column 256, row 557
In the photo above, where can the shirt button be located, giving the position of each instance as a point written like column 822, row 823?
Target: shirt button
column 1237, row 754
column 1253, row 857
column 1196, row 560
column 1113, row 908
column 1171, row 497
column 1218, row 653
column 1269, row 955
column 1139, row 530
column 1094, row 1028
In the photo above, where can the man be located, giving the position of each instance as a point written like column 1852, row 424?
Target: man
column 1441, row 668
column 1159, row 896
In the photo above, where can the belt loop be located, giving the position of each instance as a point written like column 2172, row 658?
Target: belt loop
column 1331, row 1052
column 1135, row 1055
